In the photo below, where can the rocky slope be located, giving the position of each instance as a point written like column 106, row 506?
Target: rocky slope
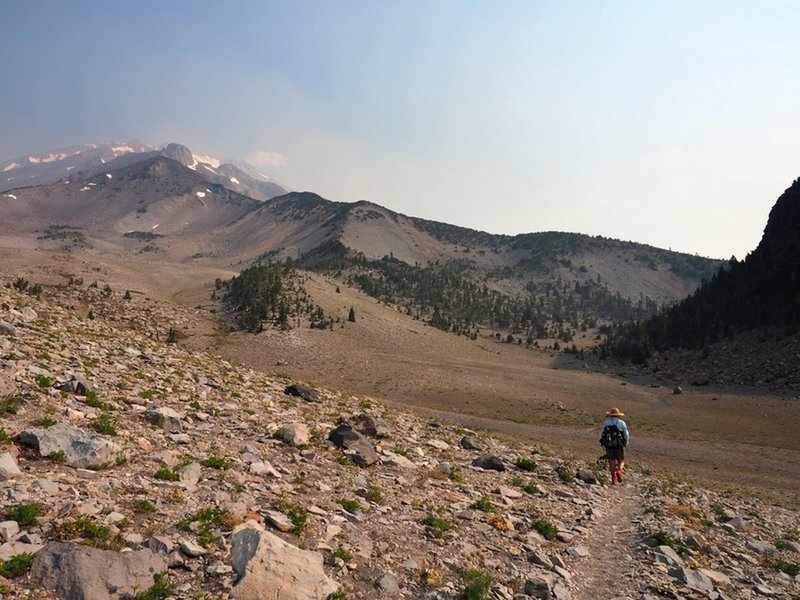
column 181, row 475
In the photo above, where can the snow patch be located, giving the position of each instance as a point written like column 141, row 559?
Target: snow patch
column 210, row 169
column 70, row 168
column 234, row 180
column 193, row 166
column 108, row 175
column 9, row 167
column 156, row 225
column 85, row 188
column 12, row 196
column 103, row 160
column 205, row 158
column 200, row 194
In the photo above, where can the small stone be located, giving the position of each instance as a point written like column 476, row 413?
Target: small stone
column 192, row 549
column 388, row 583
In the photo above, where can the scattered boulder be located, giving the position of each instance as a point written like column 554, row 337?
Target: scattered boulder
column 269, row 567
column 79, row 572
column 7, row 329
column 587, row 476
column 75, row 386
column 8, row 467
column 470, row 442
column 165, row 418
column 490, row 463
column 345, row 436
column 305, row 392
column 81, row 449
column 364, row 424
column 296, row 434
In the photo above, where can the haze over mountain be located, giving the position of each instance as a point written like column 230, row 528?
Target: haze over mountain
column 182, row 206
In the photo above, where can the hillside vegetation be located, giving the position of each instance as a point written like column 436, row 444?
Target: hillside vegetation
column 760, row 293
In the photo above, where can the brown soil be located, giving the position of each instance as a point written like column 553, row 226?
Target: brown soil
column 742, row 439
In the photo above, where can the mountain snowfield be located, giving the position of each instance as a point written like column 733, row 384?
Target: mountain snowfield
column 57, row 165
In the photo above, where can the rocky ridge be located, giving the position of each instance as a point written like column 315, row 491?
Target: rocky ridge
column 219, row 481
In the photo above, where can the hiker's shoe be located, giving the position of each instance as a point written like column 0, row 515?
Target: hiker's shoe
column 613, row 478
column 619, row 475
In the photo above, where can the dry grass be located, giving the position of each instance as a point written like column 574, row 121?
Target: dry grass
column 742, row 439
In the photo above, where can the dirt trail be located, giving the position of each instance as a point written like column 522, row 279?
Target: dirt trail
column 609, row 566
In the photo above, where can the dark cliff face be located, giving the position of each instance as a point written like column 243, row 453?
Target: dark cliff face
column 781, row 240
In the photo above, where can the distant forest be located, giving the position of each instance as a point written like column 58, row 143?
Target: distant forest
column 763, row 291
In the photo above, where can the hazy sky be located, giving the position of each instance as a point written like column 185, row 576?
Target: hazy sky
column 669, row 123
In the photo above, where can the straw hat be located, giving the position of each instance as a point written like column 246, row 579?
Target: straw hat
column 615, row 412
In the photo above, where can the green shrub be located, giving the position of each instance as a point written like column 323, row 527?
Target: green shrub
column 790, row 568
column 343, row 554
column 526, row 464
column 166, row 474
column 24, row 514
column 5, row 439
column 476, row 584
column 208, row 519
column 44, row 422
column 160, row 589
column 664, row 538
column 215, row 462
column 43, row 381
column 546, row 528
column 17, row 565
column 103, row 425
column 93, row 533
column 531, row 488
column 565, row 475
column 297, row 515
column 143, row 505
column 9, row 405
column 350, row 506
column 437, row 525
column 57, row 457
column 483, row 503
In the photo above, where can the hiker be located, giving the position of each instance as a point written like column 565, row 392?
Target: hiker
column 614, row 438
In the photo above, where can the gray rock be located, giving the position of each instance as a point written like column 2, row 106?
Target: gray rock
column 165, row 418
column 345, row 436
column 81, row 449
column 540, row 586
column 470, row 442
column 299, row 390
column 268, row 567
column 364, row 424
column 7, row 329
column 160, row 544
column 8, row 529
column 489, row 462
column 75, row 386
column 693, row 579
column 667, row 556
column 296, row 434
column 388, row 584
column 190, row 474
column 587, row 476
column 278, row 520
column 191, row 548
column 8, row 467
column 76, row 572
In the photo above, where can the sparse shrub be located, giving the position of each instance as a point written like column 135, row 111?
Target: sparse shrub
column 93, row 533
column 44, row 422
column 565, row 475
column 350, row 506
column 9, row 405
column 103, row 425
column 372, row 494
column 208, row 519
column 43, row 381
column 546, row 528
column 531, row 488
column 160, row 589
column 92, row 400
column 437, row 525
column 57, row 457
column 5, row 439
column 654, row 510
column 483, row 504
column 785, row 566
column 24, row 514
column 453, row 474
column 144, row 505
column 172, row 336
column 166, row 474
column 17, row 565
column 343, row 554
column 297, row 515
column 215, row 462
column 476, row 584
column 526, row 464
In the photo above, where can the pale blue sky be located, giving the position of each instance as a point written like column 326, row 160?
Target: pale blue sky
column 668, row 123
